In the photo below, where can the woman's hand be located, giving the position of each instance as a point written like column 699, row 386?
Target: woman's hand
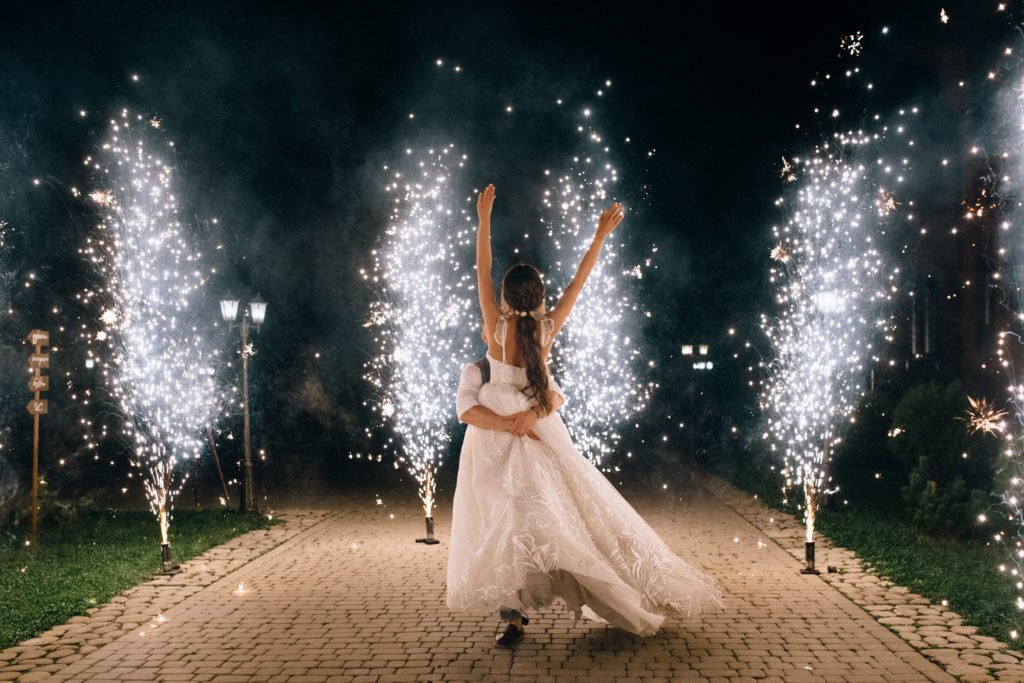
column 484, row 283
column 610, row 220
column 484, row 203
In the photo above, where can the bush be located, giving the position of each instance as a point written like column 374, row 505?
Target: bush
column 952, row 470
column 863, row 468
column 949, row 509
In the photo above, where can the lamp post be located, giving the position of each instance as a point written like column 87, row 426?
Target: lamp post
column 257, row 311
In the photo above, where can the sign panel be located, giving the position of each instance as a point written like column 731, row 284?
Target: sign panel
column 40, row 383
column 39, row 407
column 39, row 360
column 39, row 338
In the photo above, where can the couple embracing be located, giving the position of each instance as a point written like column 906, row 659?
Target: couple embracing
column 533, row 519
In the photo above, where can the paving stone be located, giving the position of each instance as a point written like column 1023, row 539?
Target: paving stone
column 346, row 595
column 936, row 631
column 34, row 676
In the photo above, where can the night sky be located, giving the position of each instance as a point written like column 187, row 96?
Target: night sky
column 284, row 113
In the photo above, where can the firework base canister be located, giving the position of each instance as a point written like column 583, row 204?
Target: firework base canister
column 429, row 540
column 809, row 559
column 167, row 565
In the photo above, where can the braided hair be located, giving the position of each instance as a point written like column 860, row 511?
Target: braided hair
column 523, row 291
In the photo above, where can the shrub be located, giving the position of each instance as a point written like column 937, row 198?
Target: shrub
column 952, row 470
column 863, row 468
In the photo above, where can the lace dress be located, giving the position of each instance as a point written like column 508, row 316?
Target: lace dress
column 535, row 520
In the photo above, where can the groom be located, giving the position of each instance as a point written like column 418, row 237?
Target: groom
column 467, row 405
column 469, row 410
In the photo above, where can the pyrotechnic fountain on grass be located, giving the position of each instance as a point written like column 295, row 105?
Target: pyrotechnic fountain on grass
column 986, row 416
column 425, row 315
column 6, row 278
column 831, row 287
column 159, row 370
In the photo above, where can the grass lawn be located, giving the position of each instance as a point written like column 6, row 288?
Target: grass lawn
column 965, row 573
column 99, row 555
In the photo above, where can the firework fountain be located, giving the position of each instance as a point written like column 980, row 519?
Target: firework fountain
column 831, row 288
column 160, row 370
column 425, row 316
column 596, row 358
column 6, row 279
column 986, row 416
column 14, row 217
column 427, row 324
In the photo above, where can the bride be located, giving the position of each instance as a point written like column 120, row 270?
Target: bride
column 533, row 519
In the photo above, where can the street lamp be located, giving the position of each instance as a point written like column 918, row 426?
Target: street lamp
column 257, row 311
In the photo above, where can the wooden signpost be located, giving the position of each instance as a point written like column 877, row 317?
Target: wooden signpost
column 37, row 406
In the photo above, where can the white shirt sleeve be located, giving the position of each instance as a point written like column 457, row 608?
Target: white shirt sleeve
column 468, row 394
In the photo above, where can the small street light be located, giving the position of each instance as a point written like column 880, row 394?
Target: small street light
column 257, row 312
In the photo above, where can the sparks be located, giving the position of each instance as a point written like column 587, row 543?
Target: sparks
column 159, row 375
column 828, row 298
column 983, row 416
column 852, row 44
column 102, row 197
column 8, row 279
column 885, row 203
column 788, row 173
column 595, row 358
column 984, row 203
column 782, row 252
column 425, row 319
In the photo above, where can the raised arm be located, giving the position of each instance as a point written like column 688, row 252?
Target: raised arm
column 606, row 225
column 484, row 281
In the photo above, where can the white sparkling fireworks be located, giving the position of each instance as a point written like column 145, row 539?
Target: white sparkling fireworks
column 425, row 318
column 597, row 356
column 984, row 416
column 7, row 277
column 1011, row 249
column 427, row 324
column 7, row 272
column 831, row 288
column 852, row 44
column 159, row 368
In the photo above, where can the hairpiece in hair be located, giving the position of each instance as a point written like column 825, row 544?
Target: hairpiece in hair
column 536, row 314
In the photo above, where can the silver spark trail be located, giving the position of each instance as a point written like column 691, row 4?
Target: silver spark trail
column 159, row 368
column 425, row 317
column 831, row 288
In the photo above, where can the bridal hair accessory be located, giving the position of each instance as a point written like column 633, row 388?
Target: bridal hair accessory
column 536, row 314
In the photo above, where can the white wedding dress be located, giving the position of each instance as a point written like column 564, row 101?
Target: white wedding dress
column 534, row 520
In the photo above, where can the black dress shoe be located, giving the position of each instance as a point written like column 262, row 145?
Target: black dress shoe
column 512, row 635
